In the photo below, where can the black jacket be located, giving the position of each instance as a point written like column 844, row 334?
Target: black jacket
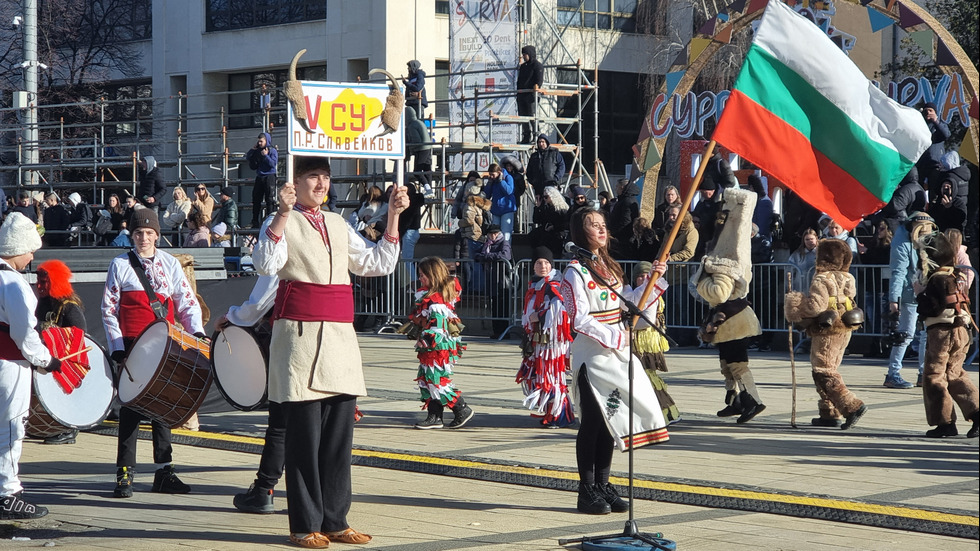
column 624, row 212
column 544, row 166
column 529, row 75
column 151, row 184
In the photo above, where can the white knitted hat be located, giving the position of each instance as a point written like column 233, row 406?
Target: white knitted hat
column 18, row 236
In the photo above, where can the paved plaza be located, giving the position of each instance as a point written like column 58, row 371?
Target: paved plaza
column 503, row 482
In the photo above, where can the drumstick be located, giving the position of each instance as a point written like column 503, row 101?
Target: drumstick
column 73, row 354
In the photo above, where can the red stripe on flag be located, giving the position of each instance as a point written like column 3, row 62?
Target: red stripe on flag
column 768, row 142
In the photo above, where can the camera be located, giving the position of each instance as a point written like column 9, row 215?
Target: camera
column 893, row 337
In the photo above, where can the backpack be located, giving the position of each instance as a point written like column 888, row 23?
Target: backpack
column 486, row 220
column 103, row 225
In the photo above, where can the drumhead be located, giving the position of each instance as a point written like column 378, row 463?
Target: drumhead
column 143, row 360
column 88, row 404
column 240, row 367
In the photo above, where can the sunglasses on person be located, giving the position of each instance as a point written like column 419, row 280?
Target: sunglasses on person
column 202, row 188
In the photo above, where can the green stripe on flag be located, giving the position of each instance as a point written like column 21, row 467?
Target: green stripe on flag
column 788, row 96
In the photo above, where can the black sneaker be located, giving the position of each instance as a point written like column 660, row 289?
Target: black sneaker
column 63, row 438
column 462, row 417
column 165, row 481
column 124, row 482
column 825, row 422
column 854, row 417
column 13, row 507
column 255, row 500
column 609, row 493
column 430, row 422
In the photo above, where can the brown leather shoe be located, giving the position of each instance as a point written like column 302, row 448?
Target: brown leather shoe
column 348, row 536
column 313, row 540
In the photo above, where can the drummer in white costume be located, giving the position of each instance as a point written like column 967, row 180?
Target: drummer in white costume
column 126, row 312
column 20, row 350
column 600, row 367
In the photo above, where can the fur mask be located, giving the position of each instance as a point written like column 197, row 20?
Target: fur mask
column 833, row 255
column 935, row 251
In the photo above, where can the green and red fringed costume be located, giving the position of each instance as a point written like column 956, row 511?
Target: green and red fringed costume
column 439, row 347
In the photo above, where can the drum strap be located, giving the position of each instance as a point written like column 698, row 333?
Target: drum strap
column 158, row 307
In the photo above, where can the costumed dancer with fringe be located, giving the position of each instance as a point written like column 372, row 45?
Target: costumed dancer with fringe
column 944, row 308
column 649, row 346
column 829, row 315
column 438, row 344
column 547, row 336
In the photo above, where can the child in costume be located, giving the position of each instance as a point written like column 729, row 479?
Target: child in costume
column 944, row 308
column 438, row 344
column 547, row 337
column 829, row 315
column 649, row 346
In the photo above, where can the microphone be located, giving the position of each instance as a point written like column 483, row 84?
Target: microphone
column 580, row 252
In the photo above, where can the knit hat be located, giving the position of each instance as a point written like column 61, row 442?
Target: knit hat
column 59, row 276
column 145, row 218
column 642, row 268
column 492, row 229
column 305, row 163
column 75, row 199
column 228, row 190
column 18, row 236
column 219, row 229
column 545, row 253
column 931, row 105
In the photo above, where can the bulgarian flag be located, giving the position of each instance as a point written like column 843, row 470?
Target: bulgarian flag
column 803, row 112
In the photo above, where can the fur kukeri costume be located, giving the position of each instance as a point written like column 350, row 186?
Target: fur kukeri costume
column 823, row 311
column 944, row 308
column 723, row 281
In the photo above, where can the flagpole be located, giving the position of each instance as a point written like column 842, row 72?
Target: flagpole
column 665, row 248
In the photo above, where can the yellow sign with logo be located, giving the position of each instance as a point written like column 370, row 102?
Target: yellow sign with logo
column 345, row 119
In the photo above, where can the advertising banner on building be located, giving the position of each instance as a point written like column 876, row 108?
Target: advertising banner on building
column 483, row 56
column 345, row 120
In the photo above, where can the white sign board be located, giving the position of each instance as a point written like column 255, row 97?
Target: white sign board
column 345, row 119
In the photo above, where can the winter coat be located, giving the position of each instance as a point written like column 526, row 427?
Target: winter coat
column 908, row 198
column 626, row 209
column 151, row 183
column 263, row 165
column 415, row 85
column 501, row 193
column 227, row 214
column 417, row 140
column 544, row 166
column 529, row 75
column 176, row 214
column 684, row 245
column 475, row 209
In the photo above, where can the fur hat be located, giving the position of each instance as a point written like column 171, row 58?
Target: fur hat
column 18, row 236
column 935, row 251
column 59, row 276
column 833, row 255
column 730, row 251
column 145, row 218
column 545, row 253
column 305, row 163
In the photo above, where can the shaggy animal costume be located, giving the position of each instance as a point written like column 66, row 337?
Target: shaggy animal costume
column 723, row 281
column 831, row 295
column 944, row 308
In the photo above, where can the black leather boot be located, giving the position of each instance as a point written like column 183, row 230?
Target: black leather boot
column 591, row 501
column 734, row 406
column 750, row 408
column 609, row 493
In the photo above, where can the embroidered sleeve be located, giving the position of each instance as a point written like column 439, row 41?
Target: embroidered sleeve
column 110, row 308
column 575, row 297
column 270, row 253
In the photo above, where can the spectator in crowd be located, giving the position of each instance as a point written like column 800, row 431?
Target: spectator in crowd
column 409, row 224
column 415, row 97
column 686, row 242
column 578, row 201
column 873, row 286
column 263, row 158
column 462, row 192
column 903, row 264
column 879, row 247
column 475, row 217
column 199, row 235
column 176, row 214
column 761, row 247
column 929, row 163
column 371, row 218
column 545, row 165
column 605, row 202
column 909, row 197
column 418, row 144
column 804, row 259
column 515, row 168
column 799, row 216
column 762, row 217
column 495, row 254
column 203, row 203
column 718, row 173
column 530, row 75
column 25, row 205
column 833, row 230
column 624, row 212
column 949, row 205
column 500, row 190
column 151, row 189
column 56, row 221
column 671, row 198
column 643, row 242
column 227, row 210
column 703, row 216
column 220, row 235
column 550, row 221
column 79, row 213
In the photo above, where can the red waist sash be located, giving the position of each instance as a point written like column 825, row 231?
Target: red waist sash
column 8, row 348
column 302, row 301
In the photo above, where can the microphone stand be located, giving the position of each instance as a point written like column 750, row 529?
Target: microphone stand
column 630, row 539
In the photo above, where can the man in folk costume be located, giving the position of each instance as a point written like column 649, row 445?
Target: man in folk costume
column 944, row 308
column 126, row 312
column 723, row 281
column 829, row 314
column 21, row 350
column 314, row 371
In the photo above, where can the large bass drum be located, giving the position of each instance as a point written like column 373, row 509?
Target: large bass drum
column 240, row 361
column 53, row 411
column 166, row 374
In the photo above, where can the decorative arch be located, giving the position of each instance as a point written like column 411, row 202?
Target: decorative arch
column 721, row 35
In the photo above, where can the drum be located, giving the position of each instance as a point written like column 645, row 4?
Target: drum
column 54, row 412
column 240, row 360
column 166, row 375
